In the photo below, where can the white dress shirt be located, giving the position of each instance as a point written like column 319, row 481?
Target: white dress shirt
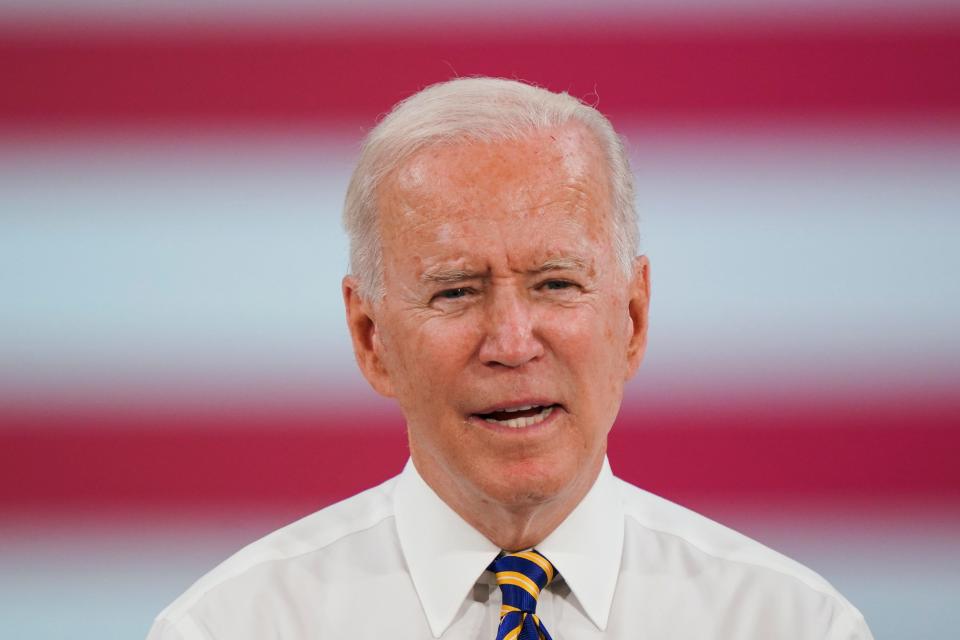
column 396, row 562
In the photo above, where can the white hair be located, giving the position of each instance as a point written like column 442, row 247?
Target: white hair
column 480, row 109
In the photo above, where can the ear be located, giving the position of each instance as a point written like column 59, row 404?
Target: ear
column 367, row 347
column 638, row 308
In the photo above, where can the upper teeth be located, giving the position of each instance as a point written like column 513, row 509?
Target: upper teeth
column 529, row 406
column 519, row 423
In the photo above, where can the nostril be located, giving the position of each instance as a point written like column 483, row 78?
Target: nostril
column 511, row 347
column 512, row 354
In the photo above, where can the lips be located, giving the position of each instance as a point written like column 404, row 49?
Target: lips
column 518, row 417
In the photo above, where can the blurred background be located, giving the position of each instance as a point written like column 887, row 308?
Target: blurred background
column 175, row 374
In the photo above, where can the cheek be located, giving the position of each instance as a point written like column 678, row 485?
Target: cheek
column 427, row 356
column 588, row 329
column 594, row 344
column 445, row 343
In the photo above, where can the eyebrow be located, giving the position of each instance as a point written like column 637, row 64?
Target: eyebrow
column 565, row 263
column 446, row 276
column 441, row 275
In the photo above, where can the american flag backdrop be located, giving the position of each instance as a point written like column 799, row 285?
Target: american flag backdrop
column 175, row 372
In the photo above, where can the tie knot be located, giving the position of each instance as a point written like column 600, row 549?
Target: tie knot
column 521, row 577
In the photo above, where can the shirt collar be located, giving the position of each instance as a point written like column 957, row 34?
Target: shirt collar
column 587, row 547
column 446, row 556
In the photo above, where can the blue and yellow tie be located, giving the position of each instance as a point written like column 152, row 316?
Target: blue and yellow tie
column 521, row 577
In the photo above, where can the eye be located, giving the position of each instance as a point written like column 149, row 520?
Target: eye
column 453, row 294
column 557, row 285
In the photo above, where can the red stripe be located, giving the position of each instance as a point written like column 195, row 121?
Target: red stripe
column 309, row 75
column 138, row 459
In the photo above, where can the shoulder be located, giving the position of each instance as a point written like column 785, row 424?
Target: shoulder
column 656, row 514
column 280, row 551
column 685, row 541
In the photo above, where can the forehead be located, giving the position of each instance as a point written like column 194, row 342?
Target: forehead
column 556, row 179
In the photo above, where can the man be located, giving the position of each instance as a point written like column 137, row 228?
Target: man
column 496, row 294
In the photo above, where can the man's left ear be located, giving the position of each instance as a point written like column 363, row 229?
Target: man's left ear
column 639, row 308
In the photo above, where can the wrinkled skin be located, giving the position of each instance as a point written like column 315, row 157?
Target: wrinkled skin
column 502, row 291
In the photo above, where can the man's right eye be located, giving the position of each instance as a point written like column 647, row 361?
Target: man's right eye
column 453, row 294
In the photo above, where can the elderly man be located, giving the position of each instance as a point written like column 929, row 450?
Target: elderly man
column 497, row 295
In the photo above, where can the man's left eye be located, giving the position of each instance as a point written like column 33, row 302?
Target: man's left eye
column 556, row 285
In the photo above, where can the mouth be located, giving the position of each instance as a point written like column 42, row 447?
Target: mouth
column 518, row 417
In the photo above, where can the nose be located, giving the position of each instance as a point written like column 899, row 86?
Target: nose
column 510, row 337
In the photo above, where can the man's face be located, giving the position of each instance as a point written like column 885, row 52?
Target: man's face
column 508, row 327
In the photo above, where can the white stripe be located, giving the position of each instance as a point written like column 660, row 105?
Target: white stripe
column 216, row 263
column 256, row 14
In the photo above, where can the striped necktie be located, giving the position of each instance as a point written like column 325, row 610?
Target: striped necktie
column 521, row 577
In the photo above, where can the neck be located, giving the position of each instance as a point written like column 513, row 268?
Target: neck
column 519, row 530
column 513, row 525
